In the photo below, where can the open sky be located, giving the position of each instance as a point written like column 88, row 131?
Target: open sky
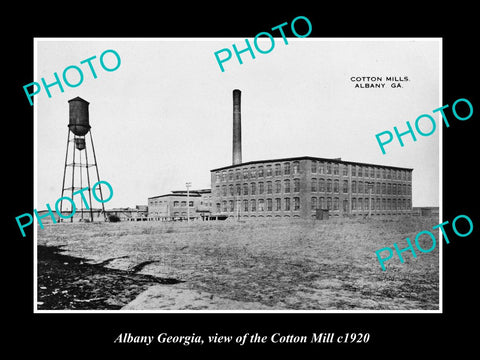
column 164, row 117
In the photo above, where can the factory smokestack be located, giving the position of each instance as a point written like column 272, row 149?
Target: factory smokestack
column 237, row 129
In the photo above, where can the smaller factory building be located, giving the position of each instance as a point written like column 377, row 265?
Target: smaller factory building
column 178, row 205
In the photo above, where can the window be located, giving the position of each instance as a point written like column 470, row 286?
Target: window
column 176, row 214
column 345, row 205
column 372, row 172
column 224, row 190
column 287, row 186
column 230, row 188
column 354, row 186
column 394, row 174
column 354, row 170
column 321, row 185
column 260, row 171
column 269, row 187
column 296, row 203
column 230, row 175
column 360, row 204
column 245, row 205
column 278, row 187
column 224, row 206
column 253, row 173
column 329, row 203
column 329, row 168
column 329, row 185
column 261, row 205
column 345, row 187
column 409, row 189
column 239, row 189
column 321, row 168
column 217, row 177
column 360, row 171
column 278, row 204
column 314, row 203
column 287, row 204
column 190, row 203
column 278, row 170
column 218, row 207
column 360, row 187
column 245, row 173
column 238, row 175
column 384, row 188
column 314, row 184
column 286, row 168
column 261, row 188
column 394, row 204
column 296, row 167
column 335, row 169
column 224, row 175
column 389, row 204
column 384, row 204
column 230, row 206
column 378, row 204
column 321, row 203
column 245, row 189
column 296, row 185
column 354, row 204
column 336, row 186
column 345, row 170
column 373, row 204
column 269, row 170
column 367, row 201
column 176, row 203
column 183, row 203
column 378, row 188
column 269, row 204
column 389, row 188
column 383, row 173
column 388, row 174
column 314, row 167
column 253, row 188
column 335, row 203
column 253, row 205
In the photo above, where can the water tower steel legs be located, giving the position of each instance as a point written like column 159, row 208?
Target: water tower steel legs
column 87, row 165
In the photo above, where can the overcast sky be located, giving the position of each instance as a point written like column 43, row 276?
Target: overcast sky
column 164, row 116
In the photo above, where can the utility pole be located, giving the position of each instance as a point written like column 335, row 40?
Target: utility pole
column 188, row 184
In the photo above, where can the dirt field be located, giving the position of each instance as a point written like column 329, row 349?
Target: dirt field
column 280, row 265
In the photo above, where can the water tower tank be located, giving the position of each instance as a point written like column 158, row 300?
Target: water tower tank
column 79, row 123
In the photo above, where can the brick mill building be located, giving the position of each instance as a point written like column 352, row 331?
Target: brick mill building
column 300, row 186
column 297, row 187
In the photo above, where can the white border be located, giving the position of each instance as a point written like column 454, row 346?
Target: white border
column 35, row 189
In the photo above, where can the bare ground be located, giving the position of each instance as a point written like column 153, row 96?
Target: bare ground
column 292, row 265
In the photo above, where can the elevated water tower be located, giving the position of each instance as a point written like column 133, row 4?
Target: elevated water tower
column 79, row 165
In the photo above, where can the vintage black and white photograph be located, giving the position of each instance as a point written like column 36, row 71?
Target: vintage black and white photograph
column 204, row 175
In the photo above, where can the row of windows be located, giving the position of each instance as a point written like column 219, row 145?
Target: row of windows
column 251, row 189
column 361, row 204
column 261, row 205
column 329, row 203
column 320, row 185
column 316, row 167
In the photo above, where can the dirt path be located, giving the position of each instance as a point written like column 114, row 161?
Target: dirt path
column 66, row 282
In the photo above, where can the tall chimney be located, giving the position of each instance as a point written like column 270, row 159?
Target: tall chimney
column 237, row 129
